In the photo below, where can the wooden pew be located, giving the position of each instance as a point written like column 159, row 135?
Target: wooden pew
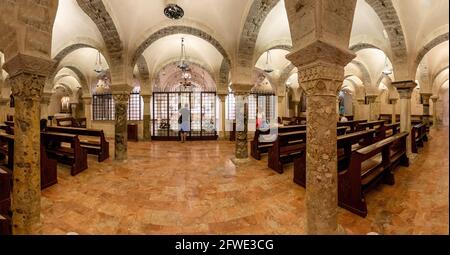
column 71, row 122
column 285, row 149
column 75, row 156
column 418, row 137
column 261, row 143
column 346, row 144
column 370, row 166
column 5, row 202
column 99, row 148
column 3, row 127
column 49, row 176
column 370, row 125
column 351, row 125
column 9, row 123
column 392, row 129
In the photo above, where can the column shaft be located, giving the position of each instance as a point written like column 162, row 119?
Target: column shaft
column 405, row 89
column 241, row 126
column 121, row 126
column 147, row 118
column 26, row 195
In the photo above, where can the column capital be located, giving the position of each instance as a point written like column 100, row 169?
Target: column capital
column 405, row 88
column 222, row 97
column 241, row 89
column 87, row 100
column 393, row 100
column 434, row 99
column 426, row 97
column 372, row 98
column 321, row 78
column 147, row 98
column 361, row 100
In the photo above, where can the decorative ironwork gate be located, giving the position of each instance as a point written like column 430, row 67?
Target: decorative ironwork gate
column 202, row 106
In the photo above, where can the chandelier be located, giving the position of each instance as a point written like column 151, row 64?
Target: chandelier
column 183, row 65
column 98, row 64
column 173, row 11
column 268, row 68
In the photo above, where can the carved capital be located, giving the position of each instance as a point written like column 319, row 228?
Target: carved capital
column 241, row 89
column 222, row 97
column 434, row 99
column 147, row 99
column 405, row 88
column 372, row 98
column 321, row 78
column 4, row 101
column 426, row 98
column 45, row 99
column 28, row 64
column 393, row 100
column 26, row 86
column 121, row 98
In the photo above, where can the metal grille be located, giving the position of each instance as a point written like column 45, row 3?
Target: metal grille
column 135, row 105
column 166, row 107
column 103, row 107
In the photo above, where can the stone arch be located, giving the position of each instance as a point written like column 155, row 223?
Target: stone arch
column 255, row 18
column 142, row 66
column 362, row 46
column 80, row 77
column 286, row 73
column 192, row 62
column 97, row 11
column 179, row 30
column 366, row 76
column 388, row 16
column 428, row 47
column 439, row 73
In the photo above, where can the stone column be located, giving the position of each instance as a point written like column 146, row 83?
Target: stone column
column 372, row 110
column 222, row 99
column 45, row 102
column 435, row 119
column 121, row 125
column 405, row 89
column 147, row 117
column 321, row 80
column 359, row 109
column 426, row 107
column 394, row 110
column 27, row 77
column 296, row 105
column 73, row 108
column 281, row 106
column 3, row 109
column 241, row 93
column 87, row 101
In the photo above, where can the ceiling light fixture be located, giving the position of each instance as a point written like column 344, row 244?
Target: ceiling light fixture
column 173, row 11
column 98, row 64
column 268, row 68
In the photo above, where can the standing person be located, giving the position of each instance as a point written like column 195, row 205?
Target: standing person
column 185, row 122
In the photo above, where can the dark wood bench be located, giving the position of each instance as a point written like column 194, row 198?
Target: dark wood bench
column 369, row 167
column 285, row 149
column 392, row 129
column 346, row 144
column 49, row 176
column 418, row 137
column 74, row 156
column 9, row 123
column 98, row 147
column 350, row 125
column 5, row 202
column 370, row 125
column 71, row 122
column 262, row 142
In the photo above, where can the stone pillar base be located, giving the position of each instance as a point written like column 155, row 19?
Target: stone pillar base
column 240, row 162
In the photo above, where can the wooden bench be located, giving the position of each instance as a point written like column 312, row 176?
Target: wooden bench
column 49, row 176
column 350, row 125
column 285, row 149
column 418, row 137
column 392, row 129
column 9, row 123
column 346, row 144
column 370, row 166
column 75, row 156
column 262, row 142
column 5, row 202
column 370, row 125
column 71, row 122
column 99, row 147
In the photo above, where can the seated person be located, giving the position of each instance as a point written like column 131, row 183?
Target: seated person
column 343, row 119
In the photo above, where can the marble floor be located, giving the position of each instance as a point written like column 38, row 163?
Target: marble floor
column 194, row 188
